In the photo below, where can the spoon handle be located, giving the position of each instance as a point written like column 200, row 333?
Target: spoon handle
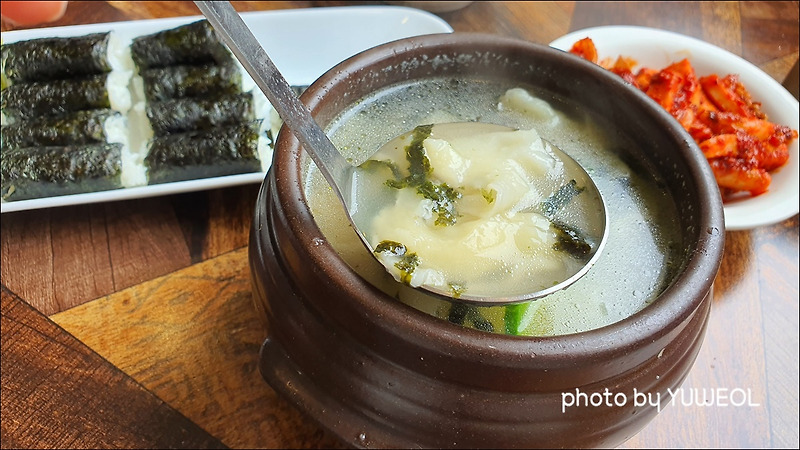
column 235, row 33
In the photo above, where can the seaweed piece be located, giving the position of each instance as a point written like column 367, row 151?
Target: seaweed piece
column 208, row 153
column 480, row 322
column 460, row 313
column 27, row 100
column 408, row 261
column 571, row 240
column 51, row 171
column 194, row 43
column 560, row 198
column 419, row 167
column 407, row 265
column 54, row 58
column 457, row 288
column 443, row 198
column 208, row 80
column 185, row 114
column 568, row 239
column 391, row 247
column 375, row 164
column 490, row 195
column 81, row 127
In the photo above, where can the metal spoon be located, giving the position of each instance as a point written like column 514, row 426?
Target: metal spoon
column 339, row 173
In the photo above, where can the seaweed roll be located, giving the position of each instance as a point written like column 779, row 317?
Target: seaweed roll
column 203, row 154
column 51, row 171
column 186, row 114
column 68, row 57
column 82, row 127
column 28, row 100
column 192, row 44
column 210, row 80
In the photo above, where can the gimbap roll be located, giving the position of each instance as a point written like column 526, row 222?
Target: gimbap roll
column 27, row 173
column 28, row 100
column 195, row 43
column 81, row 127
column 55, row 58
column 208, row 153
column 186, row 114
column 209, row 80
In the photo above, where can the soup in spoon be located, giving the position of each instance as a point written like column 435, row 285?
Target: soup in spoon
column 479, row 211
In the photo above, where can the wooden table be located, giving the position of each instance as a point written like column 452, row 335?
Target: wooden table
column 130, row 324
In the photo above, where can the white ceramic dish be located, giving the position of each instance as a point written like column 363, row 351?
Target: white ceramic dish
column 303, row 44
column 658, row 48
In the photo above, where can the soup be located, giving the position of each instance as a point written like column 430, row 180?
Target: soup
column 478, row 211
column 637, row 261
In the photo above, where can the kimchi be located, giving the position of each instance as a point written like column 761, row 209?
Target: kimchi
column 740, row 143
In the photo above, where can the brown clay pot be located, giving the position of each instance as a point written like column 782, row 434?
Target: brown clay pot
column 377, row 373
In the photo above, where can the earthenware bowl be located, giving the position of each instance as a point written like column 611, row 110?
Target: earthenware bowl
column 378, row 373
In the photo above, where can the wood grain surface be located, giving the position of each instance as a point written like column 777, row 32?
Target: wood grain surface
column 56, row 392
column 159, row 287
column 175, row 346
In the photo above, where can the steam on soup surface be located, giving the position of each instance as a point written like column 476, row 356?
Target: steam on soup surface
column 636, row 263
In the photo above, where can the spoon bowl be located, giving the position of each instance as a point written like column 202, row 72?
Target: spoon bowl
column 499, row 216
column 340, row 175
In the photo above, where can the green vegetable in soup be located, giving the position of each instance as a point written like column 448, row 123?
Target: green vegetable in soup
column 513, row 317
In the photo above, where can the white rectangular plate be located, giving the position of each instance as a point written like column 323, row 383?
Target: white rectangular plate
column 303, row 44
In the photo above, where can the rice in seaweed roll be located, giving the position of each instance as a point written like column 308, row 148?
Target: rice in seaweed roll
column 47, row 59
column 28, row 100
column 81, row 127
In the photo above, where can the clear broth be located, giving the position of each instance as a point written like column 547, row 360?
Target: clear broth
column 641, row 253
